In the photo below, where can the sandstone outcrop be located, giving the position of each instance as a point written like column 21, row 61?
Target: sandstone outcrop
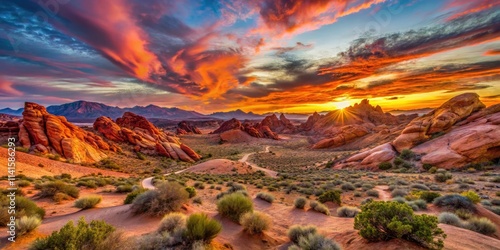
column 459, row 132
column 185, row 127
column 258, row 130
column 47, row 133
column 437, row 121
column 144, row 136
column 281, row 125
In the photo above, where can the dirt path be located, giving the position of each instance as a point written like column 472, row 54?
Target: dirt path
column 148, row 182
column 383, row 192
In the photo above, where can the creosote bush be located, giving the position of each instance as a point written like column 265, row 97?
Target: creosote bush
column 255, row 222
column 472, row 196
column 199, row 227
column 132, row 195
column 234, row 206
column 84, row 235
column 331, row 195
column 27, row 224
column 319, row 207
column 317, row 242
column 429, row 196
column 450, row 219
column 167, row 197
column 454, row 202
column 266, row 197
column 24, row 207
column 385, row 165
column 53, row 188
column 191, row 191
column 88, row 202
column 481, row 225
column 347, row 211
column 381, row 221
column 300, row 202
column 297, row 231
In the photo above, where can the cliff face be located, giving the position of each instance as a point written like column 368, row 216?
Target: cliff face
column 147, row 138
column 46, row 133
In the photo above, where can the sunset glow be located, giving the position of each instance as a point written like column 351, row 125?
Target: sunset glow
column 260, row 56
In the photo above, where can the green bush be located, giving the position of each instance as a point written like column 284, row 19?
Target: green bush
column 372, row 193
column 481, row 225
column 347, row 186
column 132, row 195
column 385, row 165
column 24, row 207
column 429, row 196
column 300, row 202
column 51, row 189
column 454, row 202
column 167, row 197
column 199, row 227
column 296, row 232
column 381, row 221
column 82, row 236
column 442, row 176
column 88, row 202
column 331, row 195
column 191, row 191
column 349, row 212
column 399, row 192
column 255, row 222
column 450, row 219
column 140, row 156
column 172, row 221
column 124, row 188
column 407, row 154
column 234, row 206
column 317, row 242
column 27, row 224
column 472, row 196
column 426, row 166
column 398, row 161
column 266, row 197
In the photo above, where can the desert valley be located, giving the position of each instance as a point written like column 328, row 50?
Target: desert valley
column 284, row 176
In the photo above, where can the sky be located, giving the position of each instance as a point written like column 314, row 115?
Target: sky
column 263, row 55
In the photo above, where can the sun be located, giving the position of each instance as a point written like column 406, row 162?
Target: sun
column 342, row 104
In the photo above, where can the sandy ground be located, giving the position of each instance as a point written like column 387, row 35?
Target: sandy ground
column 269, row 172
column 35, row 166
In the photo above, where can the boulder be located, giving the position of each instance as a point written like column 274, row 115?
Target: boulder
column 342, row 136
column 46, row 133
column 438, row 121
column 370, row 159
column 144, row 136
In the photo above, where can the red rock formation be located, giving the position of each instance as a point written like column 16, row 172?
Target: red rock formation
column 281, row 125
column 185, row 128
column 459, row 132
column 255, row 130
column 138, row 131
column 439, row 120
column 47, row 133
column 343, row 136
column 311, row 120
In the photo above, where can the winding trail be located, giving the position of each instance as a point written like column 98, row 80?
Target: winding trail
column 148, row 182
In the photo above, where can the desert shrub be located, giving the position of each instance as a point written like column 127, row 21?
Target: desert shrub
column 472, row 196
column 198, row 200
column 125, row 188
column 52, row 188
column 317, row 242
column 172, row 221
column 191, row 191
column 266, row 197
column 495, row 202
column 199, row 227
column 199, row 185
column 419, row 186
column 234, row 206
column 422, row 204
column 372, row 193
column 398, row 161
column 296, row 232
column 88, row 202
column 331, row 195
column 464, row 214
column 347, row 211
column 347, row 186
column 107, row 163
column 442, row 176
column 167, row 197
column 454, row 201
column 426, row 166
column 27, row 224
column 407, row 154
column 321, row 208
column 24, row 207
column 300, row 202
column 140, row 156
column 385, row 165
column 481, row 225
column 367, row 200
column 399, row 192
column 450, row 219
column 255, row 222
column 23, row 183
column 132, row 195
column 381, row 220
column 82, row 236
column 429, row 196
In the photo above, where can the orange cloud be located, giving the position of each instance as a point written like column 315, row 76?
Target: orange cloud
column 492, row 52
column 466, row 7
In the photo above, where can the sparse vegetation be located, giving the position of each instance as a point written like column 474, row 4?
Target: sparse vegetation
column 295, row 232
column 234, row 206
column 56, row 189
column 454, row 202
column 332, row 195
column 266, row 197
column 167, row 197
column 300, row 202
column 199, row 227
column 27, row 224
column 24, row 207
column 132, row 195
column 88, row 202
column 385, row 165
column 381, row 221
column 255, row 222
column 349, row 212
